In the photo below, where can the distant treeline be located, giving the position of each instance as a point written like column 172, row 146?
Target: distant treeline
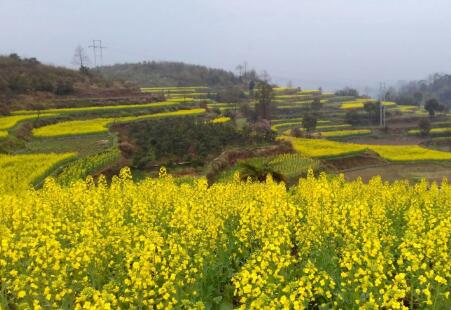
column 438, row 87
column 152, row 73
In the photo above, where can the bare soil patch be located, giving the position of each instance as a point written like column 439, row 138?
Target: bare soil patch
column 363, row 160
column 368, row 165
column 411, row 172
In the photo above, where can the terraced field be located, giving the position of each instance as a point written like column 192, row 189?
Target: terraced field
column 85, row 129
column 196, row 92
column 321, row 148
column 8, row 122
column 359, row 103
column 291, row 124
column 434, row 131
column 113, row 108
column 77, row 142
column 99, row 125
column 345, row 133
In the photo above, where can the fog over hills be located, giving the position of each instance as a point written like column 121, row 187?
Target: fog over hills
column 328, row 43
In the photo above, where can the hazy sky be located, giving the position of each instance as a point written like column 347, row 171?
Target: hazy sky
column 329, row 43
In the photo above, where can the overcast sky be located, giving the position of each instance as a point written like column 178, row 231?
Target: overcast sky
column 329, row 43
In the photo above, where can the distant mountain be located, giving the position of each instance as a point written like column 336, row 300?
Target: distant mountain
column 152, row 73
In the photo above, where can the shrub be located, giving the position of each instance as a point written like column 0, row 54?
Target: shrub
column 425, row 127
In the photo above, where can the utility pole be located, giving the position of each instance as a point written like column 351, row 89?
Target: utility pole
column 101, row 47
column 97, row 45
column 239, row 68
column 382, row 93
column 94, row 49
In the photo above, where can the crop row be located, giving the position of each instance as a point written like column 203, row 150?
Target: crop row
column 19, row 172
column 167, row 103
column 83, row 167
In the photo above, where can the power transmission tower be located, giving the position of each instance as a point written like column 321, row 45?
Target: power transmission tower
column 94, row 50
column 382, row 94
column 97, row 49
column 101, row 47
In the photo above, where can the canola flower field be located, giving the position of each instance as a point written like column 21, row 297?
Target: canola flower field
column 345, row 133
column 326, row 243
column 321, row 148
column 18, row 172
column 98, row 125
column 359, row 103
column 8, row 122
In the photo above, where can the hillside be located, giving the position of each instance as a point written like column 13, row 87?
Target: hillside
column 152, row 73
column 25, row 80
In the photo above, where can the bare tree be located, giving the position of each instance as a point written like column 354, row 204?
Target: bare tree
column 264, row 76
column 80, row 57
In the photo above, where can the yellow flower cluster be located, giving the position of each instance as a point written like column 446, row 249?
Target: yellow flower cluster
column 221, row 120
column 345, row 133
column 359, row 103
column 326, row 243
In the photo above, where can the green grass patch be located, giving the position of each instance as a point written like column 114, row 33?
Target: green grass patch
column 291, row 166
column 84, row 144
